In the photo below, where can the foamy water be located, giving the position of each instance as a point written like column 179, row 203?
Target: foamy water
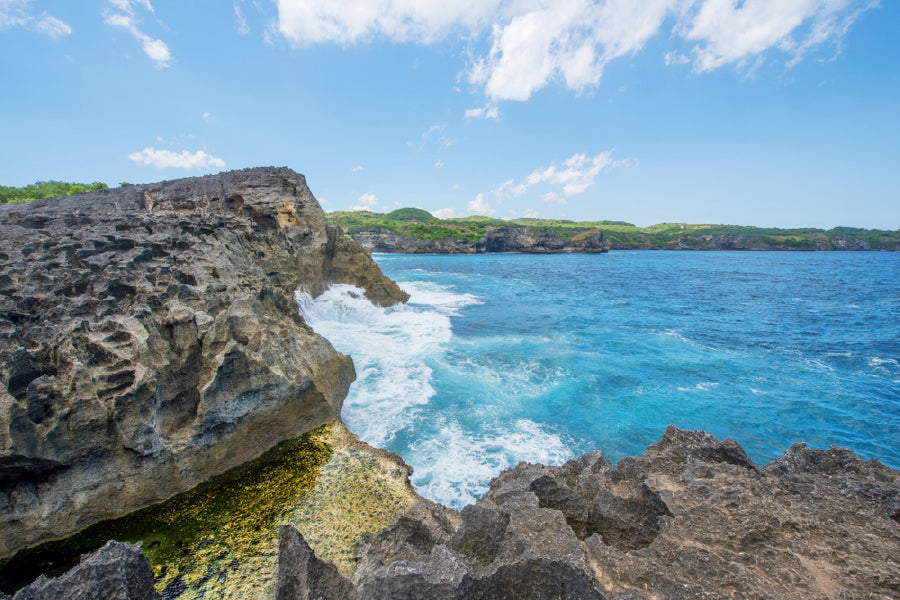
column 395, row 351
column 504, row 358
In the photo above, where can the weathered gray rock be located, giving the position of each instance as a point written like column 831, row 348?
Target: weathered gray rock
column 117, row 571
column 149, row 340
column 303, row 576
column 692, row 518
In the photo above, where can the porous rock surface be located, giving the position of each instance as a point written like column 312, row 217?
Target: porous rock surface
column 118, row 571
column 692, row 518
column 149, row 340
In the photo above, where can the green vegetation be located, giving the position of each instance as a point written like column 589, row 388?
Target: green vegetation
column 417, row 223
column 46, row 189
column 220, row 539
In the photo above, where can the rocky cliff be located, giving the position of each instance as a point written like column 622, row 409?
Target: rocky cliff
column 692, row 518
column 500, row 239
column 149, row 340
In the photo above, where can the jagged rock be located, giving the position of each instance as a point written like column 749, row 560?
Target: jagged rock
column 117, row 571
column 149, row 340
column 692, row 518
column 303, row 576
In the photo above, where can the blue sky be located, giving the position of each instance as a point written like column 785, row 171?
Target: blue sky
column 754, row 112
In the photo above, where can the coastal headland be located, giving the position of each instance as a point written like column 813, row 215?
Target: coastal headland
column 150, row 348
column 416, row 231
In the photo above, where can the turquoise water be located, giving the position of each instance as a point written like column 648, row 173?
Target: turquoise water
column 507, row 357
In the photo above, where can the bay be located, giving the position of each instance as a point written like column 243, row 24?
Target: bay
column 501, row 358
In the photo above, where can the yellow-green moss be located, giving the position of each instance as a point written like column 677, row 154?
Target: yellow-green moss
column 220, row 540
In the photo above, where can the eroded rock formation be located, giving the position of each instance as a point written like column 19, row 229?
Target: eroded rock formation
column 149, row 340
column 118, row 571
column 691, row 518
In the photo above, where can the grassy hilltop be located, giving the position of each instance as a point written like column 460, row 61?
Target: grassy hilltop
column 420, row 224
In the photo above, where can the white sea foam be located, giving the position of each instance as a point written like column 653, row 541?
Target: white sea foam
column 394, row 350
column 391, row 349
column 455, row 466
column 700, row 387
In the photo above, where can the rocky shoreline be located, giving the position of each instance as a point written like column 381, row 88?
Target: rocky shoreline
column 149, row 341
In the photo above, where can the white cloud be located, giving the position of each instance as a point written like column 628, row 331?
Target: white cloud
column 242, row 26
column 535, row 43
column 356, row 169
column 438, row 163
column 351, row 21
column 166, row 159
column 573, row 177
column 676, row 58
column 121, row 13
column 728, row 33
column 444, row 213
column 485, row 112
column 15, row 13
column 553, row 198
column 530, row 213
column 205, row 116
column 576, row 175
column 479, row 206
column 365, row 202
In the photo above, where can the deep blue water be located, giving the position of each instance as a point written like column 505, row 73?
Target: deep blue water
column 502, row 358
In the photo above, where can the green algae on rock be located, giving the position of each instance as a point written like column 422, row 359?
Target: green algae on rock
column 220, row 539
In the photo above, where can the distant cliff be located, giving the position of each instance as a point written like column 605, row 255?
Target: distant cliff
column 149, row 339
column 501, row 239
column 410, row 230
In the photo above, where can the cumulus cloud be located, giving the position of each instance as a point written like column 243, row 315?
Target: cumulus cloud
column 727, row 33
column 166, row 159
column 572, row 177
column 479, row 206
column 356, row 169
column 534, row 43
column 365, row 202
column 444, row 213
column 121, row 13
column 16, row 13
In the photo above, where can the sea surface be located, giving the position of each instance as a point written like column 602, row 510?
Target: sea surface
column 502, row 358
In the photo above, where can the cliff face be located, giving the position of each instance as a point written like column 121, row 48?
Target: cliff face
column 691, row 518
column 501, row 239
column 149, row 340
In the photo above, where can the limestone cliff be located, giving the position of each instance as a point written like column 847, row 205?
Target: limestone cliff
column 149, row 340
column 693, row 518
column 500, row 239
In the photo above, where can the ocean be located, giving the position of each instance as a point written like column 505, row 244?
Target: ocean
column 502, row 358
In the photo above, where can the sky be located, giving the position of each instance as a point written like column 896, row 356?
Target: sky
column 774, row 113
